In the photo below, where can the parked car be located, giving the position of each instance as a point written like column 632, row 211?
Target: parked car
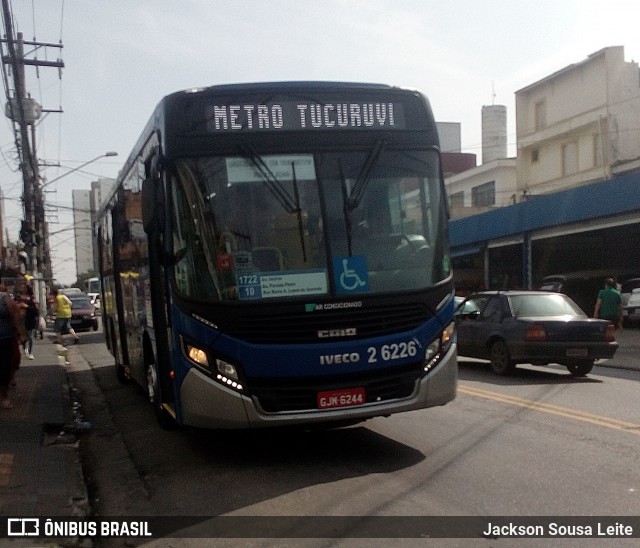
column 95, row 299
column 83, row 312
column 583, row 286
column 536, row 327
column 627, row 288
column 70, row 290
column 631, row 311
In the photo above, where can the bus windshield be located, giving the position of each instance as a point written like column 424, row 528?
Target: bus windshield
column 276, row 226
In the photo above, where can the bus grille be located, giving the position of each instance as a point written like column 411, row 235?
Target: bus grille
column 287, row 327
column 277, row 396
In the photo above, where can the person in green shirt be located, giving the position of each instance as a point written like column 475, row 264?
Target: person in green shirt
column 609, row 303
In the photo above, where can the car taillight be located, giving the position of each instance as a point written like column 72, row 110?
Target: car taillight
column 610, row 333
column 536, row 332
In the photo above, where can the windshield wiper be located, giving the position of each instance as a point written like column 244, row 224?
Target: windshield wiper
column 269, row 179
column 273, row 184
column 298, row 212
column 365, row 174
column 346, row 211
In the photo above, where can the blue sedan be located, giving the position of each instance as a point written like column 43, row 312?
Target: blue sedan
column 535, row 327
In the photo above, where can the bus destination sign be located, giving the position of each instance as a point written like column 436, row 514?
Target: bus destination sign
column 304, row 116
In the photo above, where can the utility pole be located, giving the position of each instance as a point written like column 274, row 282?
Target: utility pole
column 24, row 112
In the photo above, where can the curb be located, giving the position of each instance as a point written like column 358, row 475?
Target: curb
column 114, row 466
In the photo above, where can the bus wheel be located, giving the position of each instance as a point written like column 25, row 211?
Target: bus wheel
column 154, row 392
column 121, row 372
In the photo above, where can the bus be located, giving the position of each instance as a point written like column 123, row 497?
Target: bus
column 277, row 254
column 92, row 285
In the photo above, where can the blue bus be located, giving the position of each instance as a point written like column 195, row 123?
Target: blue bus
column 277, row 254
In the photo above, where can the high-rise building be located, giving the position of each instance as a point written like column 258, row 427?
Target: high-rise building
column 85, row 205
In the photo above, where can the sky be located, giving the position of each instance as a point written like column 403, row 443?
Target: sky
column 122, row 56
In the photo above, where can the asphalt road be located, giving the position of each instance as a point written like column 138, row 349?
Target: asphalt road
column 538, row 443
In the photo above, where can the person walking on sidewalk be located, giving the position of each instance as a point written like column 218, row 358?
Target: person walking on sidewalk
column 31, row 322
column 62, row 326
column 609, row 303
column 12, row 335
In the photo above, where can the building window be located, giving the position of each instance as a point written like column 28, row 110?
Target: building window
column 484, row 195
column 535, row 155
column 598, row 158
column 570, row 158
column 456, row 199
column 540, row 115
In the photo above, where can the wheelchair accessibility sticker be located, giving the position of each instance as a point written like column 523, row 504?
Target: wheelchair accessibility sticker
column 351, row 274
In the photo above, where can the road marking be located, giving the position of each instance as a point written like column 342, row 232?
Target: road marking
column 6, row 464
column 582, row 416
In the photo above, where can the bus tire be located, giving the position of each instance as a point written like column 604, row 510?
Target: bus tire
column 121, row 372
column 154, row 393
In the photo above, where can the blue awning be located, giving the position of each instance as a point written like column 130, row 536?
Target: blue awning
column 606, row 198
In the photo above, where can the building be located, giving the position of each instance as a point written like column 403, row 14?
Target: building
column 492, row 184
column 449, row 134
column 453, row 160
column 494, row 133
column 85, row 205
column 576, row 203
column 580, row 124
column 81, row 200
column 482, row 188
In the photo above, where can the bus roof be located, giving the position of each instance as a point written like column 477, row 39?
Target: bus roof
column 302, row 90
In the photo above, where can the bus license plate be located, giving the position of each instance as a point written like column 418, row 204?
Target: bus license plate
column 341, row 398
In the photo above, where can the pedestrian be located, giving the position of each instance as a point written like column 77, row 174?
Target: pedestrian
column 31, row 317
column 62, row 325
column 42, row 325
column 609, row 303
column 12, row 335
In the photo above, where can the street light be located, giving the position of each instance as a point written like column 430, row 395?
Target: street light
column 105, row 155
column 43, row 251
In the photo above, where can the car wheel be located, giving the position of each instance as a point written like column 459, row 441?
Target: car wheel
column 500, row 358
column 580, row 369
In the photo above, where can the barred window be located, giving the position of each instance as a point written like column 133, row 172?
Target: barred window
column 484, row 195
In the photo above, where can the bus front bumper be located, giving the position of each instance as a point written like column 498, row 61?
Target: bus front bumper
column 207, row 404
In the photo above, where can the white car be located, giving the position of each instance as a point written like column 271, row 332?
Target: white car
column 627, row 287
column 631, row 311
column 95, row 299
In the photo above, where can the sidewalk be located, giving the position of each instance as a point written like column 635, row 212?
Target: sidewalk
column 40, row 467
column 628, row 353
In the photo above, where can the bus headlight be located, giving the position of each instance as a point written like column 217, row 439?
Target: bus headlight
column 227, row 369
column 198, row 356
column 431, row 354
column 224, row 372
column 228, row 374
column 439, row 347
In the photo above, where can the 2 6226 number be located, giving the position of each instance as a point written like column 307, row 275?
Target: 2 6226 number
column 394, row 351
